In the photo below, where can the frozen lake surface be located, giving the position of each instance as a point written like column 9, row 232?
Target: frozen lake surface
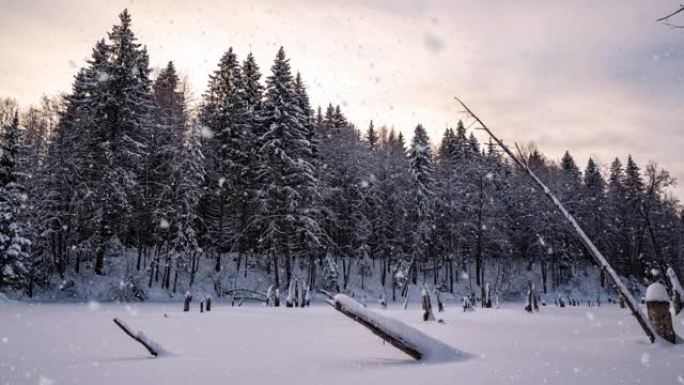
column 51, row 344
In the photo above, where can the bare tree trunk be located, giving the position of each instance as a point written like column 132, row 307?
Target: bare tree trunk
column 154, row 350
column 597, row 256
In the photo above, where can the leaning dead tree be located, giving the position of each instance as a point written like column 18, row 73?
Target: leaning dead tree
column 600, row 260
column 667, row 18
column 403, row 337
column 150, row 345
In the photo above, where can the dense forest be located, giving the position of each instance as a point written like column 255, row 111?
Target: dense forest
column 256, row 177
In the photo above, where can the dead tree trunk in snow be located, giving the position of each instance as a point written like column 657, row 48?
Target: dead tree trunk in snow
column 440, row 305
column 677, row 291
column 637, row 312
column 186, row 301
column 387, row 335
column 150, row 345
column 426, row 305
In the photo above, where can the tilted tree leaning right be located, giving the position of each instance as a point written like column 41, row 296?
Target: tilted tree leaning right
column 637, row 312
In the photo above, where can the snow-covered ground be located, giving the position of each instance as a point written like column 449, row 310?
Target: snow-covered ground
column 79, row 344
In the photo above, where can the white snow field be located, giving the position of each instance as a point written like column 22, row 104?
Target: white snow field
column 52, row 344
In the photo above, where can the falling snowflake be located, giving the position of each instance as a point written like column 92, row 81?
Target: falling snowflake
column 590, row 316
column 206, row 132
column 163, row 223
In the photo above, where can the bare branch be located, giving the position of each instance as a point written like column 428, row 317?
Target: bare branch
column 666, row 19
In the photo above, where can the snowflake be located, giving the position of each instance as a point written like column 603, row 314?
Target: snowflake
column 206, row 132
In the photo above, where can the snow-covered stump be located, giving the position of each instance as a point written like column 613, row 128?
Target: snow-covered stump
column 467, row 304
column 383, row 301
column 186, row 301
column 273, row 296
column 150, row 345
column 658, row 306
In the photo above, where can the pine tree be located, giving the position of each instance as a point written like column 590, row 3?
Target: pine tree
column 421, row 169
column 447, row 148
column 66, row 169
column 461, row 142
column 227, row 112
column 118, row 132
column 593, row 179
column 372, row 137
column 15, row 264
column 252, row 82
column 157, row 204
column 286, row 175
column 570, row 167
column 633, row 183
column 473, row 146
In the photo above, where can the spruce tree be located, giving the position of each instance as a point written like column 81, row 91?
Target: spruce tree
column 252, row 82
column 286, row 175
column 372, row 137
column 227, row 113
column 421, row 169
column 118, row 132
column 15, row 264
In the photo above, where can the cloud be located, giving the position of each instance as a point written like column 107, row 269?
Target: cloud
column 596, row 78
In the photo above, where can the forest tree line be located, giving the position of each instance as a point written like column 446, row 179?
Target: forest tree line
column 254, row 175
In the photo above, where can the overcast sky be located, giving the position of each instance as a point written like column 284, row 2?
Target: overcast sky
column 598, row 78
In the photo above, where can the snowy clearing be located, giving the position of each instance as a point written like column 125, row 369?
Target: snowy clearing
column 79, row 344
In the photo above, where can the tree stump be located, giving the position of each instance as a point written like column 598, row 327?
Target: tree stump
column 202, row 306
column 208, row 303
column 427, row 306
column 440, row 305
column 658, row 305
column 186, row 302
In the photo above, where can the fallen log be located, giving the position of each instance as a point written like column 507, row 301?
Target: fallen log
column 150, row 345
column 403, row 337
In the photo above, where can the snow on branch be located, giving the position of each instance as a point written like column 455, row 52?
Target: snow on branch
column 154, row 348
column 405, row 338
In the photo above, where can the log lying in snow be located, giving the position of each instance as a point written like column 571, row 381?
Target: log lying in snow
column 150, row 345
column 403, row 337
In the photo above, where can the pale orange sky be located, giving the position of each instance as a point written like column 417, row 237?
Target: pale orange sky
column 599, row 78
